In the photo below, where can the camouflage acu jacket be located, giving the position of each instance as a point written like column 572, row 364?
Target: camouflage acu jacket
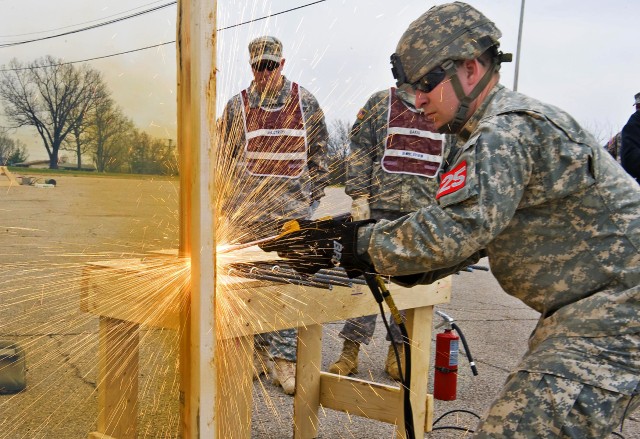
column 365, row 176
column 558, row 217
column 254, row 199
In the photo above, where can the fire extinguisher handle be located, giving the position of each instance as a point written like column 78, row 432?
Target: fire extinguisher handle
column 472, row 363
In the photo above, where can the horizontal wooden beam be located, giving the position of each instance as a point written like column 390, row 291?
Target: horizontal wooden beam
column 151, row 293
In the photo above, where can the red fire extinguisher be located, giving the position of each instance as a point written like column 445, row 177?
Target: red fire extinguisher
column 445, row 382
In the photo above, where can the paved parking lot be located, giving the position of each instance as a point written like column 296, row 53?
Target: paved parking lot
column 47, row 235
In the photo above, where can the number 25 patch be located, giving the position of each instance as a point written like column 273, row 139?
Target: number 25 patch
column 453, row 180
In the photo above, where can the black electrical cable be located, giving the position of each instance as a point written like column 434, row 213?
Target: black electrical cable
column 453, row 427
column 450, row 412
column 375, row 287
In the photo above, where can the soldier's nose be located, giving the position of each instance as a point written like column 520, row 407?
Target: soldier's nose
column 421, row 99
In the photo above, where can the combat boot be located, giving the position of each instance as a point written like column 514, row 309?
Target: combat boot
column 347, row 364
column 284, row 375
column 391, row 365
column 262, row 363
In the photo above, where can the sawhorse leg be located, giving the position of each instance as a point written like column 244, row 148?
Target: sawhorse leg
column 235, row 386
column 118, row 356
column 419, row 323
column 306, row 401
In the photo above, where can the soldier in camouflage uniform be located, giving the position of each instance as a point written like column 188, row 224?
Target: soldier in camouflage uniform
column 613, row 146
column 558, row 218
column 395, row 155
column 274, row 143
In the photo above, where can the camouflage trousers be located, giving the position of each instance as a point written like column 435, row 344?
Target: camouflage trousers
column 579, row 401
column 280, row 344
column 361, row 329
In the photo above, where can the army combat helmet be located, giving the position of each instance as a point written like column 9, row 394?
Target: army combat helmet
column 427, row 51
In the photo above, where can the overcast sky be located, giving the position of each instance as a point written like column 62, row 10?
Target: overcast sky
column 580, row 55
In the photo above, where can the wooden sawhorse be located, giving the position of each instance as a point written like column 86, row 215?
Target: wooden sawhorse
column 128, row 293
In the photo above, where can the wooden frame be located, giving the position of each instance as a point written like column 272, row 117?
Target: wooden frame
column 124, row 293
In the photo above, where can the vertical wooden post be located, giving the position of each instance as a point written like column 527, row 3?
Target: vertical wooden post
column 419, row 323
column 196, row 104
column 118, row 378
column 306, row 401
column 183, row 76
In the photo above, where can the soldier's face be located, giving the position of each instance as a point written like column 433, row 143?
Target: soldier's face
column 268, row 79
column 440, row 104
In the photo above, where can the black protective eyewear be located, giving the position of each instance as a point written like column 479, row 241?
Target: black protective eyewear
column 431, row 80
column 427, row 83
column 265, row 65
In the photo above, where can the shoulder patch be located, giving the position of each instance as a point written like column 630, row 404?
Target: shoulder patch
column 453, row 180
column 361, row 114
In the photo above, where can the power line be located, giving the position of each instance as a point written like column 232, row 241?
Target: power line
column 168, row 42
column 90, row 59
column 115, row 20
column 272, row 15
column 77, row 24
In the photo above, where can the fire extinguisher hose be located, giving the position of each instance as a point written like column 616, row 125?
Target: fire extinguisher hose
column 472, row 363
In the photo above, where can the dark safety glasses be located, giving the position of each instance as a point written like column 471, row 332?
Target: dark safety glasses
column 265, row 65
column 431, row 80
column 427, row 83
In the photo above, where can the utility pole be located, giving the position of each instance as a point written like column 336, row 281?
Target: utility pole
column 515, row 77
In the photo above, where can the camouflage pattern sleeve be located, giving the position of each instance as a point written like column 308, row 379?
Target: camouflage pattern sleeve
column 364, row 140
column 477, row 199
column 317, row 136
column 231, row 128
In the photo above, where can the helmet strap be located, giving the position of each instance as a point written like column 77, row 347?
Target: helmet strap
column 465, row 100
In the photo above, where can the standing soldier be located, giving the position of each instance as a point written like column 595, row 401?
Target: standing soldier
column 394, row 158
column 274, row 149
column 558, row 217
column 630, row 144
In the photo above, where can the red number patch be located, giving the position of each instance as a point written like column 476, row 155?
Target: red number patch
column 453, row 180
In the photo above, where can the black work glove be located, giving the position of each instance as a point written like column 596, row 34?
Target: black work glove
column 325, row 243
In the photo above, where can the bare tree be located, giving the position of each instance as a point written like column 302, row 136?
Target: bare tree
column 51, row 96
column 151, row 155
column 81, row 138
column 338, row 149
column 11, row 151
column 110, row 131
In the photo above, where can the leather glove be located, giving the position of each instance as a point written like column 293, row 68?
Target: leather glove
column 360, row 209
column 325, row 243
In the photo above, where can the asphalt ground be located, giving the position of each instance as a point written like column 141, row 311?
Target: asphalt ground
column 48, row 234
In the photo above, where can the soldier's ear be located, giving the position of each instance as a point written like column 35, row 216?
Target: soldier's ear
column 282, row 63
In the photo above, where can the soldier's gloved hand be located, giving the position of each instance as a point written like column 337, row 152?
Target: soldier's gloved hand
column 323, row 243
column 360, row 209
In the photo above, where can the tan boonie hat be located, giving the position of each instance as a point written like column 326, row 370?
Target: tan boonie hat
column 265, row 49
column 637, row 98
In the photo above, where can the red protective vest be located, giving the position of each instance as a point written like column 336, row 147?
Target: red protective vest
column 276, row 138
column 412, row 146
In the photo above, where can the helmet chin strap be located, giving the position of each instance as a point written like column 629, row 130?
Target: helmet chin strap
column 449, row 67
